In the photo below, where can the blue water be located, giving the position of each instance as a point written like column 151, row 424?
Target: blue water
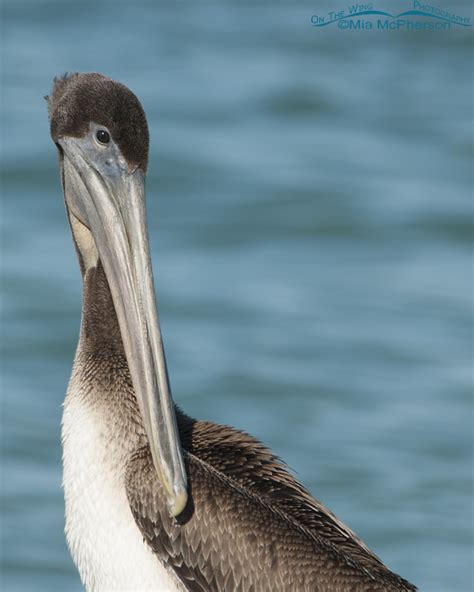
column 310, row 214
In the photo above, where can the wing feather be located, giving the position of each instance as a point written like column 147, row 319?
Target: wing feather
column 249, row 525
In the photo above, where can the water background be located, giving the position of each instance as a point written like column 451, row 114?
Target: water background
column 310, row 214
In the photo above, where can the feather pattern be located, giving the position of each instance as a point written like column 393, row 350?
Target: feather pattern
column 249, row 525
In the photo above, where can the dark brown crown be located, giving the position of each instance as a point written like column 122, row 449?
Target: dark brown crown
column 78, row 99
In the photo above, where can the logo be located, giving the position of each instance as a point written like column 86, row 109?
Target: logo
column 365, row 16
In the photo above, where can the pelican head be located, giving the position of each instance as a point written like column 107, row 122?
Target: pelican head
column 101, row 133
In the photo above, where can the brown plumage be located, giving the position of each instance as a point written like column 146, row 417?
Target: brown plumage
column 78, row 99
column 249, row 525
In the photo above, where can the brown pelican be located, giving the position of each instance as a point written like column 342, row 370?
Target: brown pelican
column 156, row 500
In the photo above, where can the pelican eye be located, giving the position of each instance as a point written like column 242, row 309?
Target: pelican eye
column 102, row 136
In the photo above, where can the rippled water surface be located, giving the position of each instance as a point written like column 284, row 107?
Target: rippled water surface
column 310, row 220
